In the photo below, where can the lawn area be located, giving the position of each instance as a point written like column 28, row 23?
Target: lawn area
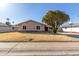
column 18, row 36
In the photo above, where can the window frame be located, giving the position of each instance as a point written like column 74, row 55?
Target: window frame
column 24, row 27
column 38, row 27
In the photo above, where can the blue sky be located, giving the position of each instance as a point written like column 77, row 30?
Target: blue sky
column 20, row 12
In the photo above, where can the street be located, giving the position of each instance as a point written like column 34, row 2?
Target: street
column 39, row 48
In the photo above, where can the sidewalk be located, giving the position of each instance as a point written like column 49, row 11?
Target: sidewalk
column 39, row 48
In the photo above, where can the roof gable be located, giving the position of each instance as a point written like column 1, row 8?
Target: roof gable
column 30, row 21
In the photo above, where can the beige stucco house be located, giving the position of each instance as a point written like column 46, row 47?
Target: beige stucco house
column 31, row 25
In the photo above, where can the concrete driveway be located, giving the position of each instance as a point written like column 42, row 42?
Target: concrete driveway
column 39, row 48
column 74, row 35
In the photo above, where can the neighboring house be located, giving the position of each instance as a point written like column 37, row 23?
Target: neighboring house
column 32, row 25
column 5, row 28
column 71, row 27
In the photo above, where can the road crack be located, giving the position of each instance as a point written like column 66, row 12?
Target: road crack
column 12, row 48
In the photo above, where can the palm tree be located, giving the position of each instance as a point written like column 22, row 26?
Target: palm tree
column 7, row 22
column 13, row 22
column 7, row 19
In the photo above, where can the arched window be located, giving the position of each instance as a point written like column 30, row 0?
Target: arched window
column 24, row 27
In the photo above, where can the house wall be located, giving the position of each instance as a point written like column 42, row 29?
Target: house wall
column 5, row 29
column 30, row 26
column 73, row 29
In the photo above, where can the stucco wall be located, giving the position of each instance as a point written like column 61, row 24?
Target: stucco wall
column 30, row 26
column 5, row 29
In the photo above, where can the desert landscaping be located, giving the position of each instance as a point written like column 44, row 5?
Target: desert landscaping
column 20, row 36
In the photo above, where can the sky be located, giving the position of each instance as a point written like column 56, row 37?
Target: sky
column 20, row 12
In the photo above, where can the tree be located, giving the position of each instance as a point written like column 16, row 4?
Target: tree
column 7, row 19
column 55, row 19
column 13, row 22
column 7, row 22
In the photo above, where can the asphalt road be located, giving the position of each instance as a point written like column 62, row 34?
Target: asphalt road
column 39, row 48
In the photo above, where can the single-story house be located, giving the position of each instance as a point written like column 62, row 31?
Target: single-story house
column 29, row 25
column 5, row 28
column 32, row 25
column 73, row 27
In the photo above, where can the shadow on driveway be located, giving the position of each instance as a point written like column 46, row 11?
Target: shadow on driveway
column 72, row 35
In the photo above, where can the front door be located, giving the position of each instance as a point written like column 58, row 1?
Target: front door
column 46, row 28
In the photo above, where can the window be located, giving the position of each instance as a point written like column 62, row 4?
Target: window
column 38, row 27
column 24, row 27
column 13, row 28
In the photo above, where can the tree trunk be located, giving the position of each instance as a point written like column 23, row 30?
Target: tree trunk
column 55, row 30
